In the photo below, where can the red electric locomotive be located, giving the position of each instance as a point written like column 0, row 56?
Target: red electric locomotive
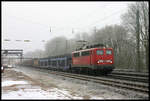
column 98, row 60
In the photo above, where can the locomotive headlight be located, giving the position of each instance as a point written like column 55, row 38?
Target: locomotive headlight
column 109, row 61
column 99, row 61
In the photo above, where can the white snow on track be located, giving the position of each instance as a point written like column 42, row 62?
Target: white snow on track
column 26, row 91
column 9, row 83
column 38, row 94
column 32, row 93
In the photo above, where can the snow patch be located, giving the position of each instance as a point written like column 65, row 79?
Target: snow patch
column 37, row 94
column 9, row 83
column 94, row 97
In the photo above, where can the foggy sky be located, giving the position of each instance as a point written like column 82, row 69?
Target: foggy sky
column 32, row 20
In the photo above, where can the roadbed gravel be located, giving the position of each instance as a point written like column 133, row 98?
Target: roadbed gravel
column 41, row 85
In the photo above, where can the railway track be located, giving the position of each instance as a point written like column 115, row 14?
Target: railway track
column 140, row 87
column 130, row 70
column 124, row 84
column 131, row 76
column 137, row 74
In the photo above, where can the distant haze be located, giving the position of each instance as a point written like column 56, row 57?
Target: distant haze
column 33, row 20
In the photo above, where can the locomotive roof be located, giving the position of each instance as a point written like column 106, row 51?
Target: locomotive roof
column 90, row 49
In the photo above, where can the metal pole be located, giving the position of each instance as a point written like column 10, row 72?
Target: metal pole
column 95, row 33
column 138, row 41
column 66, row 46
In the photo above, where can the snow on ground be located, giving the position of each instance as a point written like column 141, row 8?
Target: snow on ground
column 9, row 83
column 38, row 93
column 95, row 97
column 29, row 83
column 23, row 89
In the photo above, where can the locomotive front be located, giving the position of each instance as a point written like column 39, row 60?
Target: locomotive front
column 104, row 60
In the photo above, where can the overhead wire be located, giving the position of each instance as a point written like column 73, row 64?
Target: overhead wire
column 51, row 28
column 35, row 22
column 104, row 19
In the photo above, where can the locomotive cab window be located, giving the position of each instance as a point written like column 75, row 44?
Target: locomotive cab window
column 108, row 52
column 99, row 52
column 76, row 54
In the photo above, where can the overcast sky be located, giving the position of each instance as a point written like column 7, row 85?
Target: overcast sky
column 32, row 20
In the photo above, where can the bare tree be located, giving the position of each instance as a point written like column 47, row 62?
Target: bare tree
column 56, row 46
column 35, row 54
column 130, row 23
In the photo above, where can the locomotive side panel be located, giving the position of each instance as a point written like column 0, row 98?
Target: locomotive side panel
column 93, row 57
column 81, row 58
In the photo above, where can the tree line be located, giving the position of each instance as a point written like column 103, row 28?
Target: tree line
column 122, row 38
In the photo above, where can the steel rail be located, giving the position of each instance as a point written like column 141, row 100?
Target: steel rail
column 129, row 78
column 118, row 83
column 136, row 86
column 130, row 73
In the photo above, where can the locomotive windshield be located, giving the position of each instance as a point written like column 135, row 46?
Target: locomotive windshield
column 100, row 52
column 108, row 52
